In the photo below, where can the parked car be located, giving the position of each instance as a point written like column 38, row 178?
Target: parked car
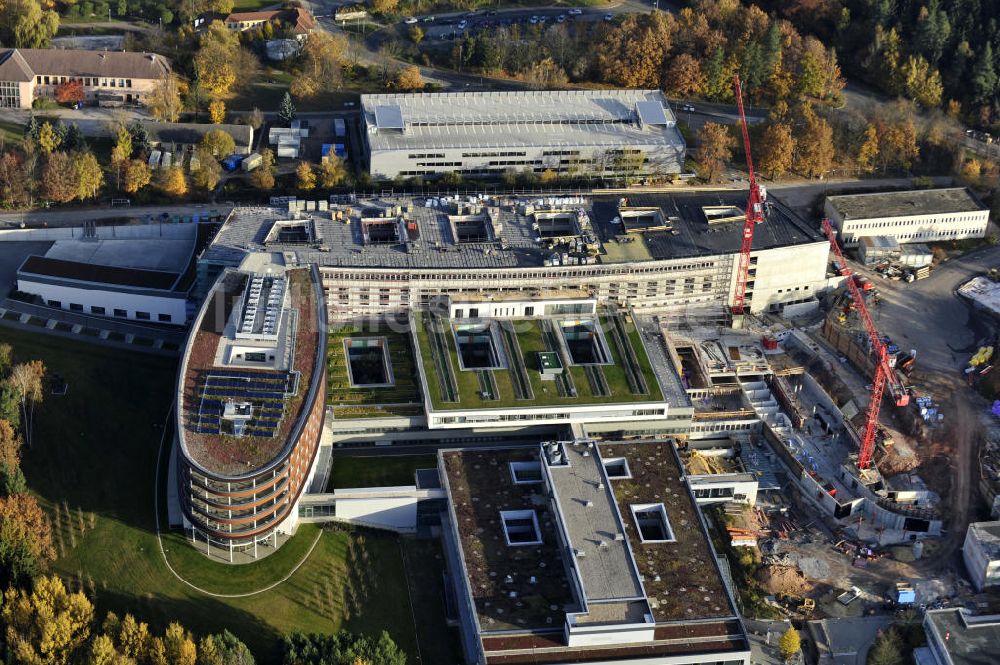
column 576, row 11
column 687, row 108
column 462, row 24
column 533, row 20
column 428, row 19
column 409, row 20
column 561, row 18
column 609, row 17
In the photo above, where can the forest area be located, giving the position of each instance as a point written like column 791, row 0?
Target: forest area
column 937, row 53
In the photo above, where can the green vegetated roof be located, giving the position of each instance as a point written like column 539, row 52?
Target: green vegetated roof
column 402, row 398
column 629, row 378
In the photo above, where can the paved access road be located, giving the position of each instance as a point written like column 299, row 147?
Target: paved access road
column 76, row 216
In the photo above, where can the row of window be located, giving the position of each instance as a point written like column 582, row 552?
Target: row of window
column 88, row 81
column 119, row 313
column 330, row 274
column 494, row 154
column 885, row 224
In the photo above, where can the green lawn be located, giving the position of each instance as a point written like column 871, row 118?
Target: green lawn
column 531, row 341
column 379, row 471
column 11, row 132
column 92, row 466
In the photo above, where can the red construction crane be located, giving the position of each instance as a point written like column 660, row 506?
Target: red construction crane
column 754, row 213
column 884, row 372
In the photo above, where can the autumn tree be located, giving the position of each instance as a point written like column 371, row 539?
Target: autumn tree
column 815, row 149
column 217, row 111
column 133, row 637
column 137, row 175
column 887, row 649
column 323, row 58
column 25, row 380
column 305, row 177
column 684, row 77
column 385, row 7
column 179, row 645
column 416, row 34
column 165, row 100
column 332, row 172
column 48, row 138
column 173, row 181
column 898, row 144
column 921, row 82
column 868, row 150
column 209, row 173
column 11, row 477
column 15, row 181
column 263, row 176
column 89, row 175
column 255, row 119
column 546, row 74
column 218, row 143
column 25, row 24
column 409, row 79
column 634, row 52
column 221, row 63
column 46, row 625
column 25, row 539
column 59, row 178
column 70, row 92
column 714, row 149
column 789, row 644
column 775, row 149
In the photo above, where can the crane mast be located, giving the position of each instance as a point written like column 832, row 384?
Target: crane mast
column 754, row 211
column 884, row 373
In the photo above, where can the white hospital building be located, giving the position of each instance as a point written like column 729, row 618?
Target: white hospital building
column 484, row 134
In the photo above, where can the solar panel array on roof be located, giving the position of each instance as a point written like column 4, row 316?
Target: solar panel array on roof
column 266, row 392
column 651, row 113
column 389, row 117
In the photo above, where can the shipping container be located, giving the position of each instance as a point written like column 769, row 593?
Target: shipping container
column 251, row 161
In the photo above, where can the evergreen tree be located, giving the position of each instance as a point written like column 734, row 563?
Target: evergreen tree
column 75, row 141
column 140, row 139
column 287, row 111
column 984, row 77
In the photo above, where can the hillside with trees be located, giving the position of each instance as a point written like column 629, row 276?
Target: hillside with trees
column 935, row 52
column 693, row 53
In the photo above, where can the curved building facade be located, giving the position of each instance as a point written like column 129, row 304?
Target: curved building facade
column 251, row 399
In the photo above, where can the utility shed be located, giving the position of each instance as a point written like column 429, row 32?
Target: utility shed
column 876, row 249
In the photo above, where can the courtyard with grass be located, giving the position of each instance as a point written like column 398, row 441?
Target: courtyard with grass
column 93, row 467
column 377, row 471
column 626, row 377
column 369, row 395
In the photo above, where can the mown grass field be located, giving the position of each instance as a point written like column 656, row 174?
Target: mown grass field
column 92, row 466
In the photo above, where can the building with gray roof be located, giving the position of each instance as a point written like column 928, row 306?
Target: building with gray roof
column 653, row 252
column 956, row 637
column 981, row 553
column 925, row 215
column 485, row 134
column 107, row 77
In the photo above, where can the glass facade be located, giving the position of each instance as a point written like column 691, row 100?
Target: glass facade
column 10, row 95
